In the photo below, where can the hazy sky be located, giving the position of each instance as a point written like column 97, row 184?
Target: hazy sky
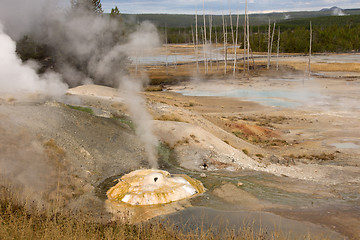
column 217, row 6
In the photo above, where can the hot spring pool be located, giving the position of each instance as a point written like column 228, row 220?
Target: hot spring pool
column 273, row 98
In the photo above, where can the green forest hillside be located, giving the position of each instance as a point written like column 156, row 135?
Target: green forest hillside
column 330, row 34
column 184, row 20
column 334, row 29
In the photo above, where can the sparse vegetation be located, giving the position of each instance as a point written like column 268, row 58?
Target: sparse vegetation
column 260, row 140
column 154, row 88
column 169, row 117
column 16, row 222
column 238, row 134
column 191, row 104
column 194, row 138
column 53, row 151
column 226, row 141
column 263, row 120
column 183, row 141
column 311, row 157
column 124, row 120
column 83, row 109
column 245, row 151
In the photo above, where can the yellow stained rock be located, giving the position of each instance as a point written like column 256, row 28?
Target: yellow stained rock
column 150, row 186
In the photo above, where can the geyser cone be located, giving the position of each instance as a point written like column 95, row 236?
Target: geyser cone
column 149, row 187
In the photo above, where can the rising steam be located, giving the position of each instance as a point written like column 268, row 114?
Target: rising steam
column 143, row 40
column 16, row 76
column 86, row 47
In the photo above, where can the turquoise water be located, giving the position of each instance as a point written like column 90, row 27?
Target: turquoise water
column 274, row 98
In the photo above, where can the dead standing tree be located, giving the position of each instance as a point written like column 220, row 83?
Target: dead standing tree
column 204, row 41
column 246, row 40
column 277, row 51
column 166, row 50
column 210, row 50
column 268, row 56
column 272, row 40
column 270, row 43
column 216, row 55
column 309, row 65
column 247, row 36
column 225, row 42
column 196, row 43
column 236, row 43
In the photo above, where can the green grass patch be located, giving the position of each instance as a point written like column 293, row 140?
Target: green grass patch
column 79, row 108
column 125, row 120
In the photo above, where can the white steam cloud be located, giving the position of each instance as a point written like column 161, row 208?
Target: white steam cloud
column 16, row 76
column 143, row 40
column 338, row 12
column 142, row 119
column 76, row 39
column 87, row 48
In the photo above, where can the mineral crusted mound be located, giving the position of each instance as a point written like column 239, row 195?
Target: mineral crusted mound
column 149, row 187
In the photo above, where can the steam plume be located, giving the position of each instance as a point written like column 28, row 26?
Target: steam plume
column 144, row 39
column 16, row 76
column 87, row 48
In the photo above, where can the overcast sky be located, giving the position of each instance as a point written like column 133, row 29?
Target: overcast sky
column 219, row 6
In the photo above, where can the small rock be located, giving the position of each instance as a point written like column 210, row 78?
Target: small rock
column 240, row 184
column 203, row 175
column 274, row 159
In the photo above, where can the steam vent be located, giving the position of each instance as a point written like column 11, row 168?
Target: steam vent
column 149, row 187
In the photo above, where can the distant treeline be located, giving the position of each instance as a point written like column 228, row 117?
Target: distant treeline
column 188, row 20
column 330, row 34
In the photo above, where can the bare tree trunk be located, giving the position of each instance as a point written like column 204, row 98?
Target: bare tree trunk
column 247, row 37
column 236, row 42
column 210, row 27
column 204, row 41
column 245, row 41
column 271, row 43
column 193, row 38
column 310, row 49
column 204, row 20
column 268, row 57
column 277, row 52
column 166, row 50
column 196, row 42
column 202, row 35
column 232, row 28
column 259, row 47
column 216, row 42
column 225, row 47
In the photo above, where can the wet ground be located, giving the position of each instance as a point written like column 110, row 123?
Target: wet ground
column 317, row 120
column 268, row 202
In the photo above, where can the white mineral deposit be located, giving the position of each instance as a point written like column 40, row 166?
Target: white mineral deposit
column 150, row 186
